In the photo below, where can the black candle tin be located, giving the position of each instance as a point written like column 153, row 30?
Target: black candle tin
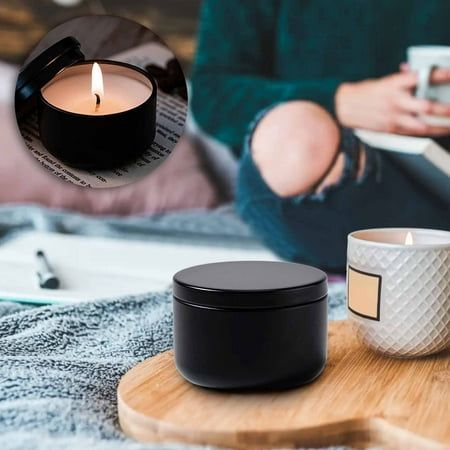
column 41, row 70
column 84, row 141
column 250, row 324
column 96, row 142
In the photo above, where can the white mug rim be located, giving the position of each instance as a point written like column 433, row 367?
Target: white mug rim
column 443, row 50
column 353, row 237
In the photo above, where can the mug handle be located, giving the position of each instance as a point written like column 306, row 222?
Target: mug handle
column 423, row 82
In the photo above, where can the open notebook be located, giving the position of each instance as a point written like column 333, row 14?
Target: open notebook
column 92, row 268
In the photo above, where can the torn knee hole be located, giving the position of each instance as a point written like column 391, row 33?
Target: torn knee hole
column 333, row 176
column 361, row 163
column 336, row 173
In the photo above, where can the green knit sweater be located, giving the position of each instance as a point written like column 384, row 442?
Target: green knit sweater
column 253, row 53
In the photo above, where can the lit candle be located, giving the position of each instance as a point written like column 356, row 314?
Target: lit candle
column 409, row 238
column 75, row 90
column 398, row 286
column 97, row 88
column 98, row 115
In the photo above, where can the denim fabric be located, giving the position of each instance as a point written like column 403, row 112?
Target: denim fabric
column 313, row 228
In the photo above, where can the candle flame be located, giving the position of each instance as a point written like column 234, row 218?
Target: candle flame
column 409, row 239
column 97, row 83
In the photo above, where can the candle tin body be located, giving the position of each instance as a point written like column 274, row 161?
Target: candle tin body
column 250, row 324
column 99, row 142
column 41, row 70
column 399, row 295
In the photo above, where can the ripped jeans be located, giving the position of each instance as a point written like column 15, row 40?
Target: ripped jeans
column 313, row 228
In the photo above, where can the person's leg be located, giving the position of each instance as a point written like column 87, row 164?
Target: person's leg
column 294, row 145
column 295, row 150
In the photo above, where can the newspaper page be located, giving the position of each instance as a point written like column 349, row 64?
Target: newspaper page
column 170, row 120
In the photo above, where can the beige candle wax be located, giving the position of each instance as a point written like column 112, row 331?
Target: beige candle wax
column 74, row 89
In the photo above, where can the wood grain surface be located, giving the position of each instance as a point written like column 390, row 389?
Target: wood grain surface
column 362, row 399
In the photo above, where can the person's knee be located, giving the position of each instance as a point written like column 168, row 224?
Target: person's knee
column 294, row 145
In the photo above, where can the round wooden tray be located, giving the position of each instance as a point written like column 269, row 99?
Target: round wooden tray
column 362, row 399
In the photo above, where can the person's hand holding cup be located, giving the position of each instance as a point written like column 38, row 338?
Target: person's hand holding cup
column 415, row 101
column 432, row 66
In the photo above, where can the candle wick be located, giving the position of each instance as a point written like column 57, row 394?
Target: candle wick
column 97, row 102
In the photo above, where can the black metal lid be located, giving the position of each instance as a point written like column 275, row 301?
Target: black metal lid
column 250, row 285
column 42, row 69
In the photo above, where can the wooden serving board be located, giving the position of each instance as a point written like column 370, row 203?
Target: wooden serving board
column 362, row 399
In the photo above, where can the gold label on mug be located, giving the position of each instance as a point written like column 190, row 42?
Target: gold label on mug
column 363, row 293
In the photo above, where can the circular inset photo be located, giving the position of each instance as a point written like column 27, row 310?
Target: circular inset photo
column 101, row 101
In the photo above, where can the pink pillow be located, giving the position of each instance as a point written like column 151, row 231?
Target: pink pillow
column 179, row 183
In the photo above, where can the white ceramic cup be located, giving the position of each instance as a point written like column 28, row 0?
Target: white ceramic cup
column 398, row 295
column 423, row 59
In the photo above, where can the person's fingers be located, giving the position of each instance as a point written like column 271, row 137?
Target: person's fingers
column 404, row 67
column 408, row 124
column 440, row 75
column 405, row 80
column 408, row 79
column 414, row 126
column 437, row 131
column 439, row 109
column 408, row 103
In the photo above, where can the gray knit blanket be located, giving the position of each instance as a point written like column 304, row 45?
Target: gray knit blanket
column 60, row 365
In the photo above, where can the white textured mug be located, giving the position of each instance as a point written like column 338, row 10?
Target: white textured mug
column 398, row 289
column 423, row 59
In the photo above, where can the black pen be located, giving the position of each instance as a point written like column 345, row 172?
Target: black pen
column 46, row 277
